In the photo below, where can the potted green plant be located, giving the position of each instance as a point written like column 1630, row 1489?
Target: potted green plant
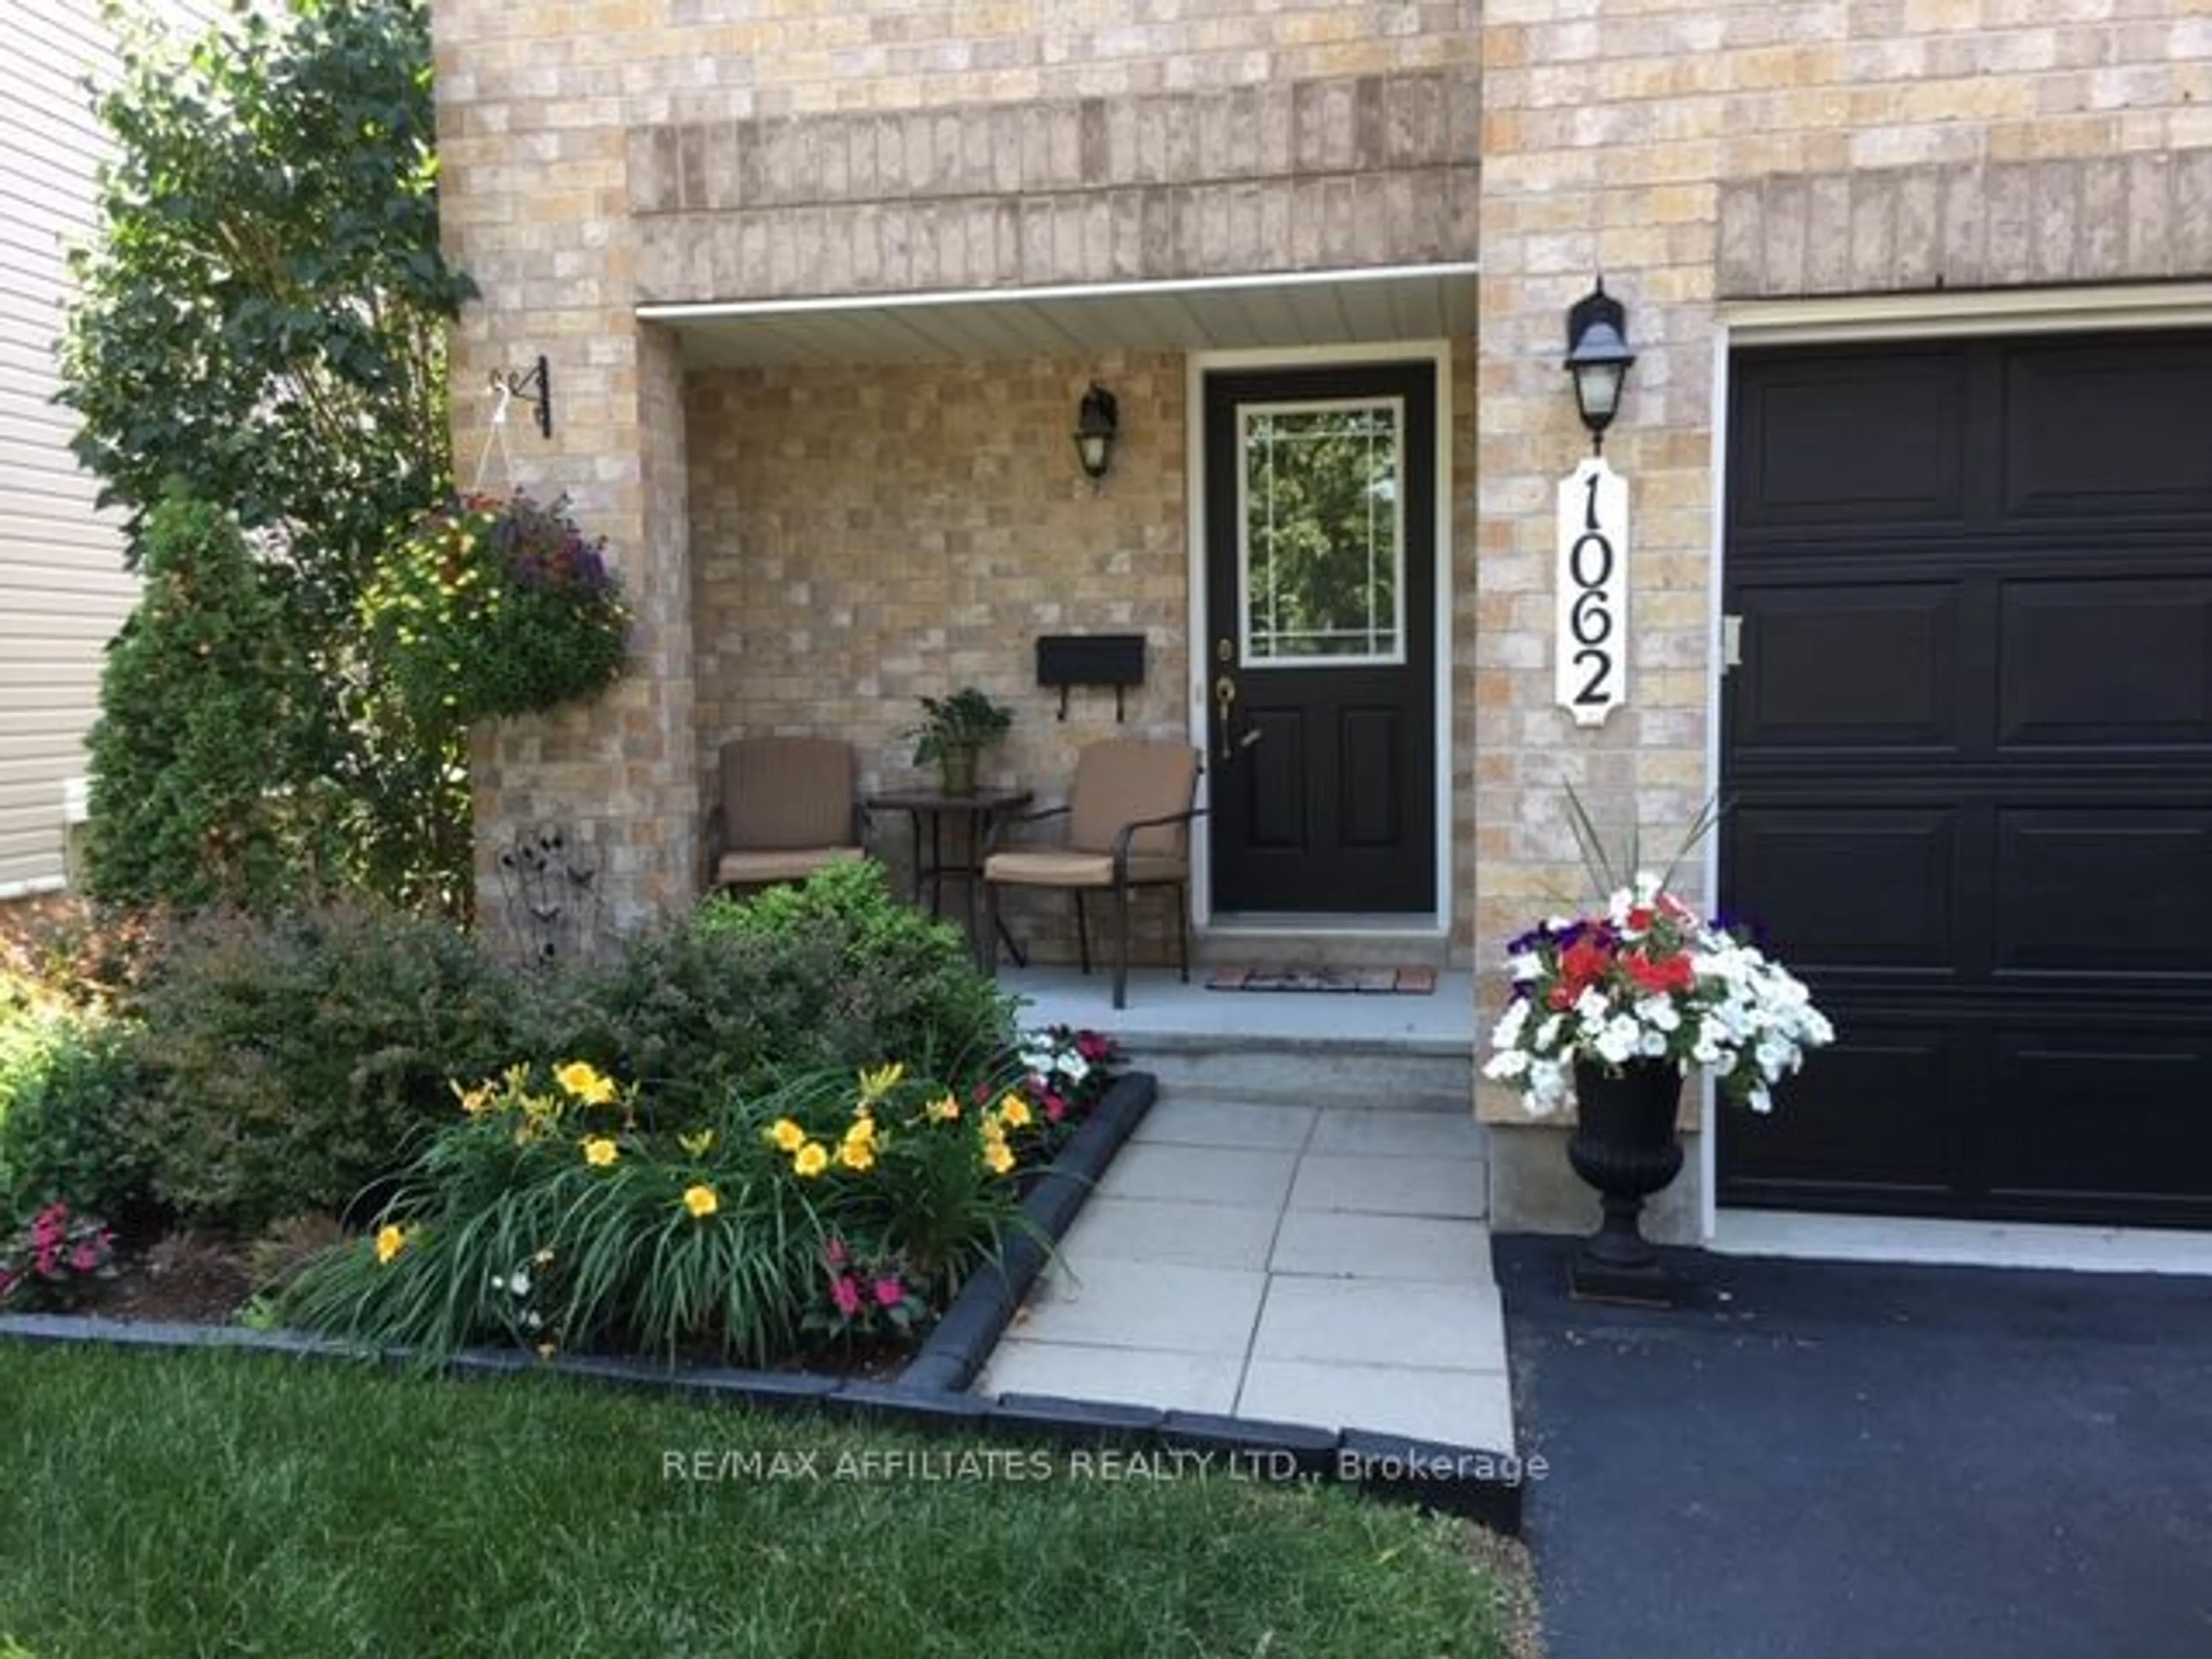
column 494, row 606
column 955, row 729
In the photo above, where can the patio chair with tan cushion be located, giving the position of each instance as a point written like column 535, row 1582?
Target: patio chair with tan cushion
column 785, row 809
column 1128, row 817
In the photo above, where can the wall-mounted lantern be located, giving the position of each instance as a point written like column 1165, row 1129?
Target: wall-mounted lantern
column 1599, row 358
column 1097, row 422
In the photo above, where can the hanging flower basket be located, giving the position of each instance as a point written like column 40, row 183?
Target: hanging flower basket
column 496, row 606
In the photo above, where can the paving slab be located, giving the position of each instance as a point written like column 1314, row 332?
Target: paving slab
column 1392, row 1134
column 1453, row 1408
column 1211, row 1175
column 1173, row 1230
column 1392, row 1186
column 1347, row 1244
column 1136, row 1376
column 1227, row 1123
column 1358, row 1321
column 1111, row 1303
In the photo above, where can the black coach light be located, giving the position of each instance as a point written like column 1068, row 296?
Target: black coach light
column 1598, row 357
column 1097, row 423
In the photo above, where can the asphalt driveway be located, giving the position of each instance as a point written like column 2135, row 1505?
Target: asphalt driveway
column 1836, row 1459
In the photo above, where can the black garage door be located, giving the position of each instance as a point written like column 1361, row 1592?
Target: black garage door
column 1968, row 764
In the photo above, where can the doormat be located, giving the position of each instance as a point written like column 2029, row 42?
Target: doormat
column 1403, row 981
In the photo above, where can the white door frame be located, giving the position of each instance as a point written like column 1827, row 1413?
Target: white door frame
column 1198, row 365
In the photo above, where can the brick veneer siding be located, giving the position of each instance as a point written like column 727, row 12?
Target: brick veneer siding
column 1699, row 152
column 571, row 137
column 1368, row 170
column 863, row 536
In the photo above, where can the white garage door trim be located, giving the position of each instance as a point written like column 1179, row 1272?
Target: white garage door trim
column 1903, row 318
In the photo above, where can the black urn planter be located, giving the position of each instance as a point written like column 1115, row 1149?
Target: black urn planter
column 1625, row 1146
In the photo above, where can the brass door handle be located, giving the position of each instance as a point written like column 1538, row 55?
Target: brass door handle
column 1224, row 700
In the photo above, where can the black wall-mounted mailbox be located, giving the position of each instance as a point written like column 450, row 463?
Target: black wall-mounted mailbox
column 1070, row 659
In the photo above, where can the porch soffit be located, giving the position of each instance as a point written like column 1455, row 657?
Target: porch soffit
column 1286, row 310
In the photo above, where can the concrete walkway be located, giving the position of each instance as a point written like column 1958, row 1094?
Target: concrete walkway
column 1323, row 1266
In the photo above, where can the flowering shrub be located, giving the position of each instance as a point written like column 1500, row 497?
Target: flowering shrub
column 1646, row 978
column 54, row 1260
column 558, row 1209
column 495, row 607
column 1065, row 1071
column 871, row 1299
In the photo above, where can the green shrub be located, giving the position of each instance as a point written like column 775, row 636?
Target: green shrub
column 879, row 980
column 69, row 1087
column 830, row 974
column 199, row 697
column 298, row 1058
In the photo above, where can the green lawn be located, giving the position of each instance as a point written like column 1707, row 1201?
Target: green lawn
column 178, row 1504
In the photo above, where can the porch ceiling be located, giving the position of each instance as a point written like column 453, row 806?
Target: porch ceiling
column 1217, row 314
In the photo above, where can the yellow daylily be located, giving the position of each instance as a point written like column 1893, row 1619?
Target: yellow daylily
column 390, row 1240
column 787, row 1135
column 875, row 1085
column 701, row 1201
column 942, row 1109
column 856, row 1154
column 811, row 1159
column 477, row 1101
column 1015, row 1111
column 997, row 1157
column 600, row 1152
column 583, row 1081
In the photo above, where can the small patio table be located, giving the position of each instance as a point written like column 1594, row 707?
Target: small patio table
column 973, row 814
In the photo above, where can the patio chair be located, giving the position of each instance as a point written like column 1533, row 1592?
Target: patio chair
column 785, row 809
column 1128, row 817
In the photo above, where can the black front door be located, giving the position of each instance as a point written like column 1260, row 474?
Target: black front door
column 1968, row 769
column 1319, row 648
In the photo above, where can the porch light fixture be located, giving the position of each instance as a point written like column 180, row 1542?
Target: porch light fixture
column 1598, row 357
column 1097, row 422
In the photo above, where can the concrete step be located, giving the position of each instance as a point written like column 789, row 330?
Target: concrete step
column 1330, row 1073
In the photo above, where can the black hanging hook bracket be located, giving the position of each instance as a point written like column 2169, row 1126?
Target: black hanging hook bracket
column 534, row 388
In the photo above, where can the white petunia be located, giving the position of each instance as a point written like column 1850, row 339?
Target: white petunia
column 1506, row 1034
column 1617, row 1040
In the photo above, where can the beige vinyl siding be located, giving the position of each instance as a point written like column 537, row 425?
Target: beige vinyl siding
column 62, row 589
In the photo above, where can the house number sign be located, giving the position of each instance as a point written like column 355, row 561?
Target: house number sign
column 1590, row 654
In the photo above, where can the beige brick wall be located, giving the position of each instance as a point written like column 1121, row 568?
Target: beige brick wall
column 560, row 125
column 864, row 535
column 1697, row 152
column 652, row 61
column 1344, row 171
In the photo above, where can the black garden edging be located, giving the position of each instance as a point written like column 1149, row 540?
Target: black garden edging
column 929, row 1396
column 957, row 1345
